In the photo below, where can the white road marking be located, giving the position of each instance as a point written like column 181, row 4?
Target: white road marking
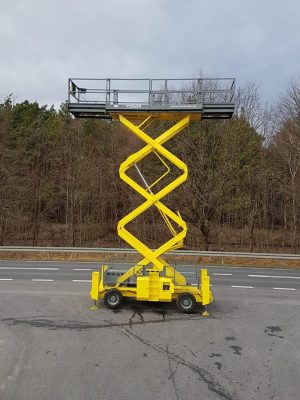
column 283, row 288
column 130, row 263
column 82, row 269
column 229, row 267
column 195, row 273
column 81, row 280
column 50, row 262
column 220, row 273
column 196, row 284
column 35, row 269
column 42, row 280
column 275, row 276
column 6, row 279
column 244, row 287
column 256, row 268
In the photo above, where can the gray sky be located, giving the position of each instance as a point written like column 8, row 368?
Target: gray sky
column 43, row 42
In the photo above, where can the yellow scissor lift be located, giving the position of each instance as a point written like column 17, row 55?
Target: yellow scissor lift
column 152, row 278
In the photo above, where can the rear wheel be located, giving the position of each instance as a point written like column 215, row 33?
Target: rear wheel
column 185, row 302
column 113, row 298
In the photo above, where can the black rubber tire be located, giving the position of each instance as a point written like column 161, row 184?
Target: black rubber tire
column 185, row 303
column 113, row 298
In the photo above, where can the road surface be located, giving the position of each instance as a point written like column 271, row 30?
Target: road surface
column 240, row 277
column 52, row 346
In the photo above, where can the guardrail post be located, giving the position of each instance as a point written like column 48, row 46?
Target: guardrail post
column 166, row 89
column 150, row 93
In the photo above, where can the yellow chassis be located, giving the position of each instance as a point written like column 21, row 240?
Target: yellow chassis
column 153, row 286
column 164, row 287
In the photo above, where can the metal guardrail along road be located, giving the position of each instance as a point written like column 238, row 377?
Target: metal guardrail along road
column 107, row 250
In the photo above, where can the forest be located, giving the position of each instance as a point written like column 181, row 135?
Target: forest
column 60, row 184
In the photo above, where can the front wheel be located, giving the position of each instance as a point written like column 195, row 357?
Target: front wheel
column 186, row 302
column 113, row 298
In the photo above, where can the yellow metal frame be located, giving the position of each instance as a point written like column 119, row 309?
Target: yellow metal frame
column 152, row 286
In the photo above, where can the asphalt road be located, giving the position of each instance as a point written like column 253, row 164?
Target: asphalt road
column 79, row 272
column 53, row 346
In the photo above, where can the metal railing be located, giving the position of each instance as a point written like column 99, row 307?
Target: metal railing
column 151, row 93
column 108, row 250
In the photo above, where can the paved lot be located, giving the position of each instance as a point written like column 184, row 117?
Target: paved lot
column 52, row 346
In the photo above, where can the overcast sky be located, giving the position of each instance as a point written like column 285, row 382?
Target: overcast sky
column 43, row 42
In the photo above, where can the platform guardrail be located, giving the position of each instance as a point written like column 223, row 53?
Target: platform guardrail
column 151, row 92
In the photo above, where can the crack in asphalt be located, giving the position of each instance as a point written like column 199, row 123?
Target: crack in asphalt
column 172, row 373
column 190, row 350
column 130, row 323
column 75, row 325
column 203, row 374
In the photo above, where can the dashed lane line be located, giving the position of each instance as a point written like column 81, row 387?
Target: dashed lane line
column 128, row 263
column 274, row 276
column 193, row 284
column 221, row 273
column 242, row 287
column 42, row 280
column 82, row 269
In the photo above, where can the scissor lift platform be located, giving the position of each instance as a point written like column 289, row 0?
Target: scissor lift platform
column 144, row 101
column 169, row 99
